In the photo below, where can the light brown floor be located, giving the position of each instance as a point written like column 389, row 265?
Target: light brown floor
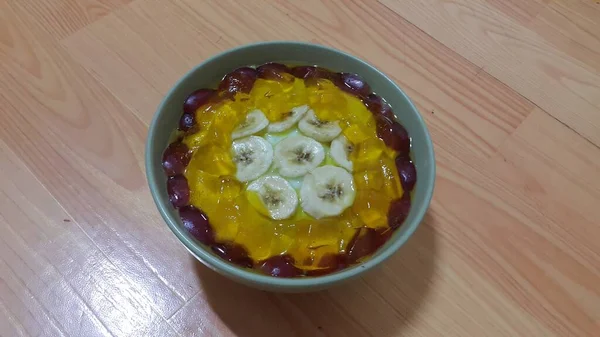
column 510, row 90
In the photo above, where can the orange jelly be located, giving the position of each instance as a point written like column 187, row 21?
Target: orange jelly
column 235, row 215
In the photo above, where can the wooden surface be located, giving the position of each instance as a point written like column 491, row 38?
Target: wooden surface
column 510, row 90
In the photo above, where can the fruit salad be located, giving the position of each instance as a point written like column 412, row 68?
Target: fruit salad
column 290, row 171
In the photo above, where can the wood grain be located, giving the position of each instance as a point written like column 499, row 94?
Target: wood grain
column 510, row 91
column 519, row 57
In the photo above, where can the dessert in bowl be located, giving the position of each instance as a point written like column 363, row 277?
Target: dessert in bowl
column 289, row 175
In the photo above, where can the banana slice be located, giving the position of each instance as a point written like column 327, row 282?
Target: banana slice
column 297, row 155
column 327, row 191
column 255, row 121
column 276, row 196
column 252, row 157
column 290, row 120
column 323, row 131
column 340, row 152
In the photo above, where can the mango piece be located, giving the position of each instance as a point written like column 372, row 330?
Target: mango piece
column 371, row 207
column 356, row 134
column 215, row 160
column 367, row 154
column 391, row 181
column 369, row 179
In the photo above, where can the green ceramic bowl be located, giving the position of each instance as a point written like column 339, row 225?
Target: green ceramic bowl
column 209, row 73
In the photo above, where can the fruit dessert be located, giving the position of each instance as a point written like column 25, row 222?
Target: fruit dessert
column 290, row 171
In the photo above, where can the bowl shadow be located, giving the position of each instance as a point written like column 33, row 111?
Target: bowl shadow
column 381, row 303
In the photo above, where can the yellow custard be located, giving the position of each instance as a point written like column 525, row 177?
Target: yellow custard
column 236, row 215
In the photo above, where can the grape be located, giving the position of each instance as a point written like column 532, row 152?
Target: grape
column 384, row 234
column 378, row 106
column 197, row 224
column 175, row 158
column 239, row 80
column 187, row 121
column 274, row 71
column 353, row 84
column 178, row 190
column 407, row 172
column 398, row 211
column 393, row 134
column 197, row 99
column 233, row 253
column 311, row 72
column 328, row 264
column 280, row 266
column 364, row 243
column 192, row 103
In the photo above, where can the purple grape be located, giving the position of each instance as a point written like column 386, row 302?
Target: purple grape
column 197, row 224
column 328, row 264
column 364, row 243
column 175, row 158
column 233, row 253
column 197, row 99
column 393, row 134
column 353, row 84
column 311, row 72
column 274, row 71
column 407, row 172
column 239, row 80
column 178, row 190
column 378, row 106
column 398, row 211
column 280, row 266
column 191, row 104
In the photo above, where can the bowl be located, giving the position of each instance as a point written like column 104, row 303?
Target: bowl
column 209, row 73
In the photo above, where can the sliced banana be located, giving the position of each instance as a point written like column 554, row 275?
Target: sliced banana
column 252, row 157
column 255, row 121
column 323, row 131
column 290, row 120
column 276, row 196
column 327, row 191
column 297, row 155
column 340, row 152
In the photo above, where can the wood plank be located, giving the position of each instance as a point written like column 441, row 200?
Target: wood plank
column 558, row 83
column 572, row 27
column 469, row 117
column 87, row 149
column 63, row 17
column 526, row 250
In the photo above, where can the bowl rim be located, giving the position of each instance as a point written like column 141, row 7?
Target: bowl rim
column 221, row 266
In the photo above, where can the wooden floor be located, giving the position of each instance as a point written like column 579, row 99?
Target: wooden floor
column 510, row 90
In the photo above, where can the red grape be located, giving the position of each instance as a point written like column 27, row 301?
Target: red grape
column 364, row 243
column 233, row 253
column 187, row 121
column 328, row 264
column 274, row 71
column 175, row 158
column 178, row 190
column 197, row 99
column 197, row 224
column 393, row 134
column 311, row 72
column 407, row 172
column 239, row 80
column 280, row 266
column 384, row 234
column 378, row 106
column 353, row 84
column 192, row 103
column 398, row 211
